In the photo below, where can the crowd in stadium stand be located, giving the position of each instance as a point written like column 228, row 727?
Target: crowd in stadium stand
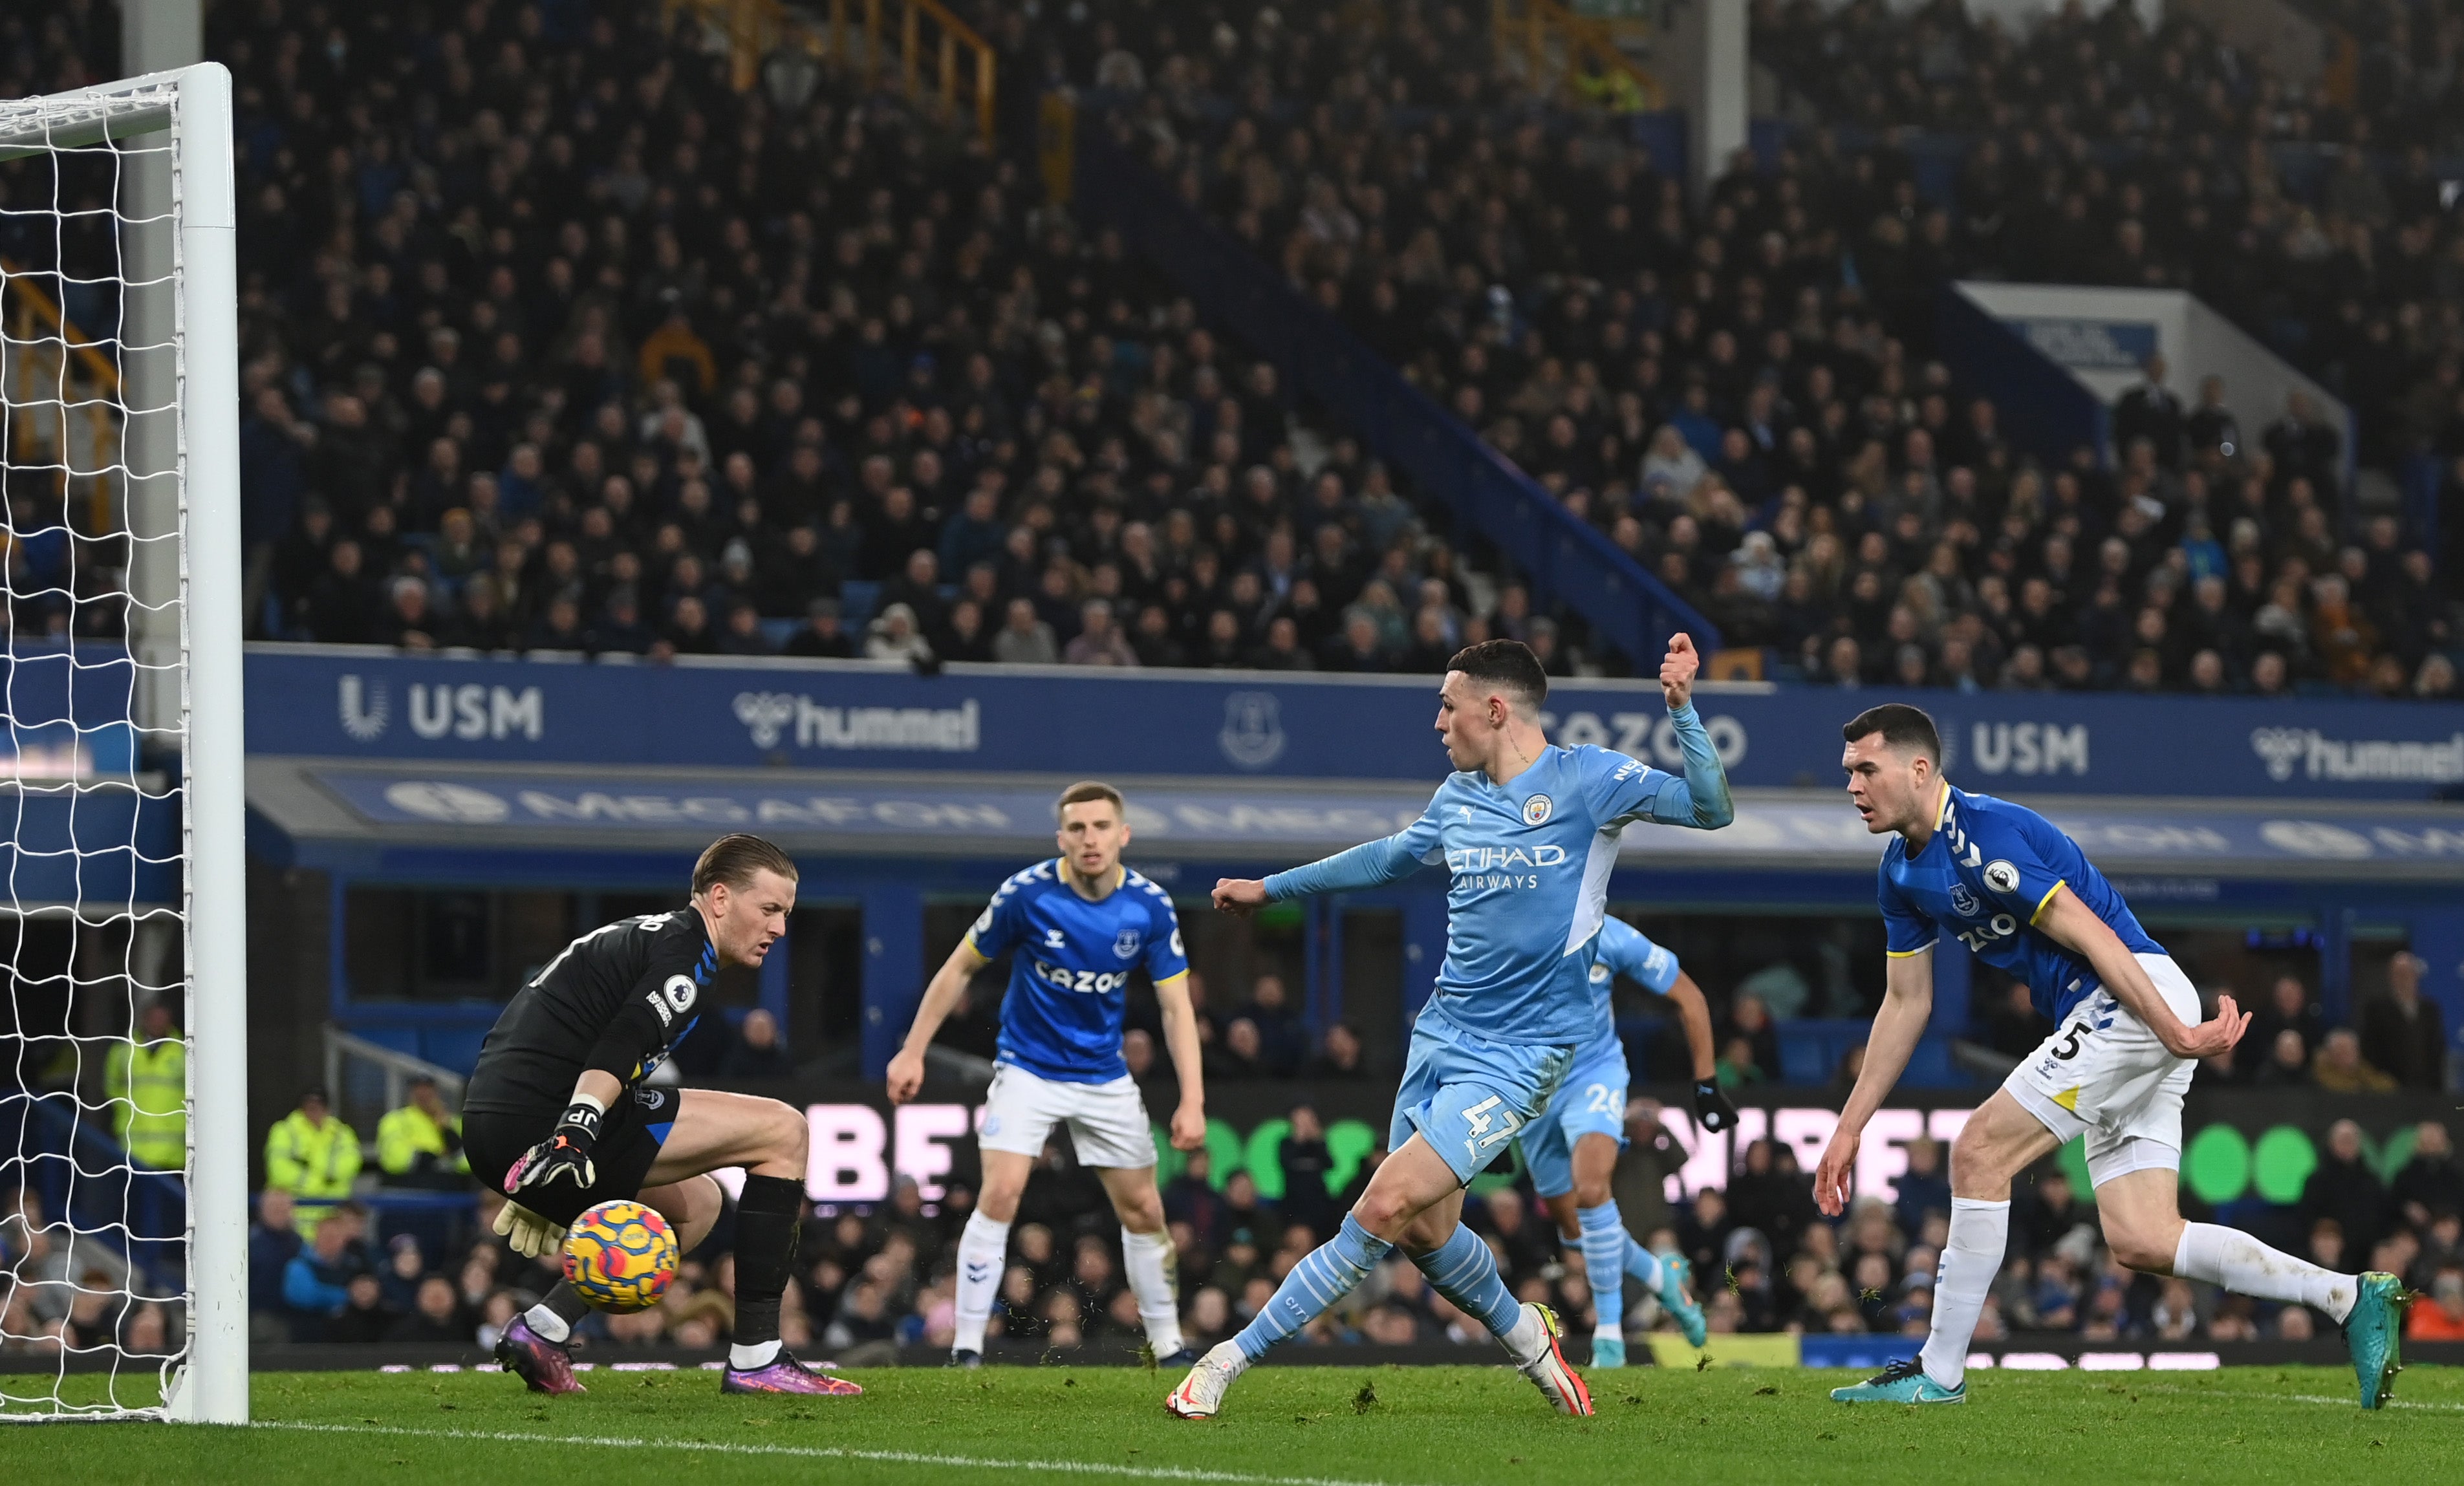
column 2173, row 161
column 631, row 362
column 1738, row 393
column 579, row 349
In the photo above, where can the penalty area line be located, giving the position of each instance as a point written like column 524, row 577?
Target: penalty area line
column 1145, row 1472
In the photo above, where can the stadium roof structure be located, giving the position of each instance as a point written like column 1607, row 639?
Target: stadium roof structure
column 367, row 816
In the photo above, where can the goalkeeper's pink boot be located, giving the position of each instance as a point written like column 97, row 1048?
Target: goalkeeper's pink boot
column 544, row 1366
column 784, row 1374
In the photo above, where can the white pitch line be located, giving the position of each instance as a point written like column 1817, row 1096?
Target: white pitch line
column 1145, row 1472
column 2304, row 1398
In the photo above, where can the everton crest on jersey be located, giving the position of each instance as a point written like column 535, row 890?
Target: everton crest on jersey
column 1986, row 876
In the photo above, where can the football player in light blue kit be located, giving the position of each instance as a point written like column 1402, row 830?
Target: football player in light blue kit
column 1076, row 926
column 1571, row 1150
column 2023, row 898
column 1529, row 832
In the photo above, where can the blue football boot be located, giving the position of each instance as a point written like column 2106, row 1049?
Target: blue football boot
column 2373, row 1332
column 1674, row 1272
column 1903, row 1381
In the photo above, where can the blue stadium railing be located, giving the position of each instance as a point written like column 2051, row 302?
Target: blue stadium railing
column 1560, row 555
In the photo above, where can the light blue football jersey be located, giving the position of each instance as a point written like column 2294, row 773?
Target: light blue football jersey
column 1531, row 863
column 1623, row 949
column 1069, row 979
column 1986, row 875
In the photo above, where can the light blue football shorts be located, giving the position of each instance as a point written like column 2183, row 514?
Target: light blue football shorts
column 1469, row 1095
column 1591, row 1102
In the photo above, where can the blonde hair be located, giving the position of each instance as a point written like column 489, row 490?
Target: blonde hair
column 736, row 859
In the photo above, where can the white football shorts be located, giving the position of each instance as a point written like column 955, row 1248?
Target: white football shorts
column 1108, row 1122
column 2102, row 1074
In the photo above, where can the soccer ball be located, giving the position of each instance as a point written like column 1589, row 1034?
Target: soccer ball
column 619, row 1256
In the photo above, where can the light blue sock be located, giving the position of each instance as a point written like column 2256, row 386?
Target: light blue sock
column 1324, row 1276
column 1464, row 1271
column 1640, row 1264
column 1604, row 1243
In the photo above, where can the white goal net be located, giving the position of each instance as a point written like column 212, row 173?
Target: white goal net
column 123, row 1122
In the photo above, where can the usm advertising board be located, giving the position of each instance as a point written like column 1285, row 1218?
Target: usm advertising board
column 332, row 702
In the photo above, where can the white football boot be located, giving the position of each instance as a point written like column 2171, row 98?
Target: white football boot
column 1533, row 1344
column 1201, row 1392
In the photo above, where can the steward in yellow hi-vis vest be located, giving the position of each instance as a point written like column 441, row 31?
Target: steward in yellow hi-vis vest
column 146, row 1080
column 313, row 1156
column 420, row 1144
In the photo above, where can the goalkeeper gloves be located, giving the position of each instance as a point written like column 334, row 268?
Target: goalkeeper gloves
column 532, row 1235
column 1712, row 1107
column 564, row 1156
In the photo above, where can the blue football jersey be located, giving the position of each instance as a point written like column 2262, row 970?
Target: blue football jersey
column 1069, row 978
column 1531, row 863
column 1986, row 876
column 1623, row 949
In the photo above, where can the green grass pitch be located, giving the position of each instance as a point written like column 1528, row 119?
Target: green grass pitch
column 1391, row 1426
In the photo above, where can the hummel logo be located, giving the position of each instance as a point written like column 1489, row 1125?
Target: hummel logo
column 979, row 1272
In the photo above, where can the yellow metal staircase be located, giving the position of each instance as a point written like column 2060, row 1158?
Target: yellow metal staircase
column 926, row 47
column 1576, row 58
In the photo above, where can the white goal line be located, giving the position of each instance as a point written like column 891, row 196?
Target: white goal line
column 1100, row 1468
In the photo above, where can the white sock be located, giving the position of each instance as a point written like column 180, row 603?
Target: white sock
column 2229, row 1258
column 744, row 1357
column 1970, row 1258
column 551, row 1326
column 984, row 1250
column 1151, row 1262
column 1527, row 1339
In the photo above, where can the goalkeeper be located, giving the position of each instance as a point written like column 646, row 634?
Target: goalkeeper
column 579, row 1039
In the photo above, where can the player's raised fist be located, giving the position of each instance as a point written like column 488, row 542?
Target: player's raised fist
column 1677, row 671
column 1240, row 896
column 906, row 1076
column 1188, row 1126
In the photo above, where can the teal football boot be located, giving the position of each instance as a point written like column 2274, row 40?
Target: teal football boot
column 1672, row 1274
column 1608, row 1352
column 2373, row 1331
column 1900, row 1383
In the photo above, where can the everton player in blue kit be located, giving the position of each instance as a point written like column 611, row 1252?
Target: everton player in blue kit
column 1571, row 1150
column 1529, row 832
column 1076, row 927
column 2019, row 894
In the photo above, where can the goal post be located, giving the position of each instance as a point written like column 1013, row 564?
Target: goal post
column 153, row 478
